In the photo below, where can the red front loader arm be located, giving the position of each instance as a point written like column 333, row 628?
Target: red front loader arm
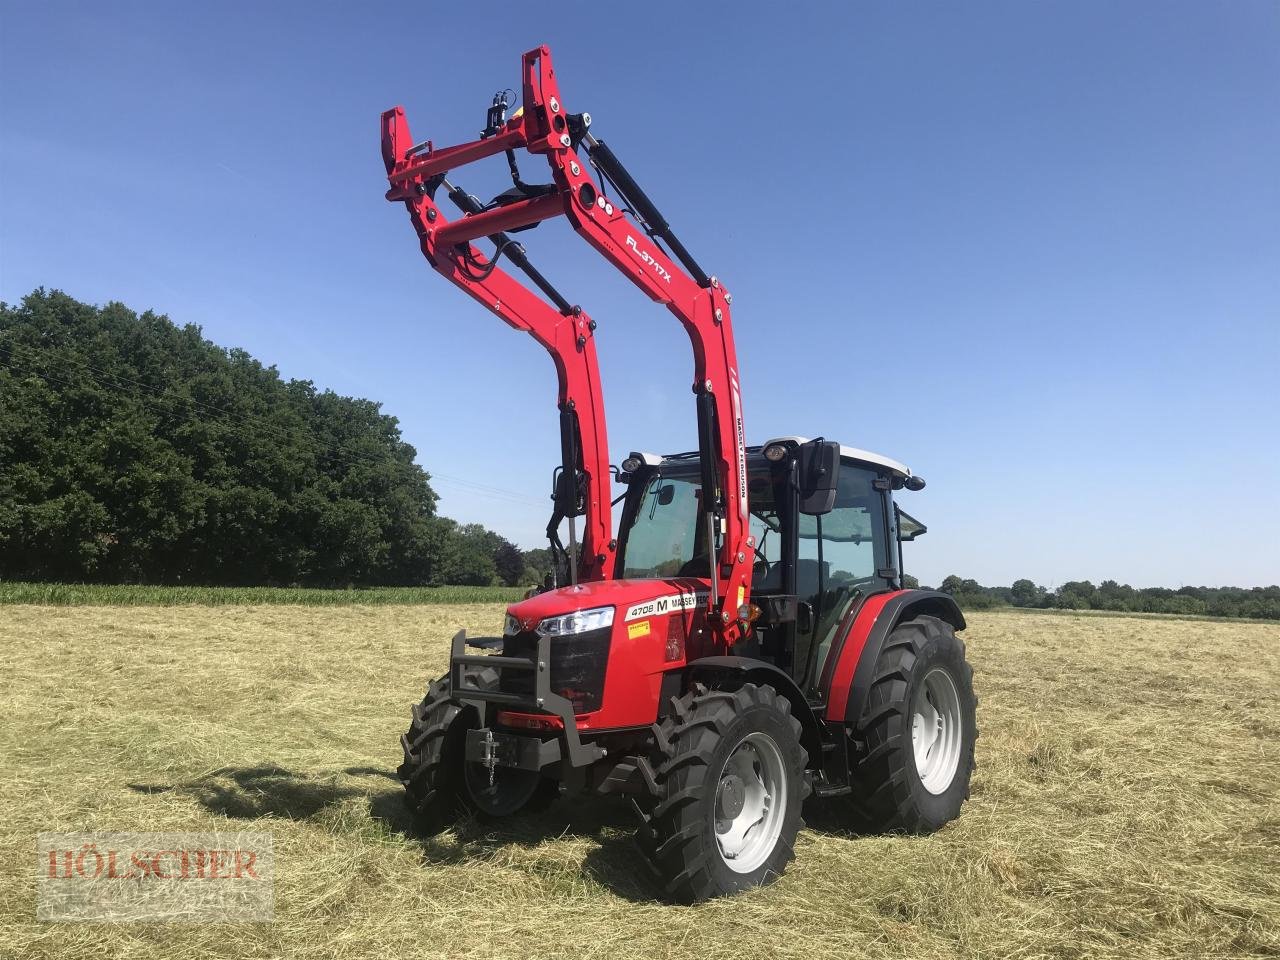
column 701, row 304
column 567, row 334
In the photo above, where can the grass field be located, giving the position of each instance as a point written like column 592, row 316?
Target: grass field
column 136, row 595
column 1126, row 804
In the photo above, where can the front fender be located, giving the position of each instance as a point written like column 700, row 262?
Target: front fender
column 855, row 660
column 741, row 670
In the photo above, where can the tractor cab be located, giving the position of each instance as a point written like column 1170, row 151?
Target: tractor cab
column 824, row 530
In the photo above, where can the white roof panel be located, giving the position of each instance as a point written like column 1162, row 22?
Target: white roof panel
column 853, row 453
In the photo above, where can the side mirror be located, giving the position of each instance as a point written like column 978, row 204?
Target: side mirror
column 819, row 472
column 666, row 494
column 567, row 495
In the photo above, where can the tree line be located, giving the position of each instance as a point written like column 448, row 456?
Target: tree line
column 133, row 450
column 1256, row 603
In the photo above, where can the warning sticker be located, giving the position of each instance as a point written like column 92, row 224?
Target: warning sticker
column 661, row 605
column 635, row 630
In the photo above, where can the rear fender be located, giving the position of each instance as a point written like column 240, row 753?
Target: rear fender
column 854, row 663
column 735, row 671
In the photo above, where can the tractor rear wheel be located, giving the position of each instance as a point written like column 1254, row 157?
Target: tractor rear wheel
column 441, row 785
column 911, row 752
column 729, row 776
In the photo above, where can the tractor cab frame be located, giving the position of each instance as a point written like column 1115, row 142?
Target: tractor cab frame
column 808, row 568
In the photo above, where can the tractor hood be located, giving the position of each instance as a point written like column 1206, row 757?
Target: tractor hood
column 631, row 599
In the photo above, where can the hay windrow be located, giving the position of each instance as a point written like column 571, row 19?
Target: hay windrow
column 1126, row 803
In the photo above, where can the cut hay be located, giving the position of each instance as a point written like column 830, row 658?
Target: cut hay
column 1126, row 803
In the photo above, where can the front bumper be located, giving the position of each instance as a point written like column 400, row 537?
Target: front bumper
column 514, row 750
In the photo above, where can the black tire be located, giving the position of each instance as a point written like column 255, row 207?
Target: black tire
column 889, row 795
column 440, row 785
column 692, row 748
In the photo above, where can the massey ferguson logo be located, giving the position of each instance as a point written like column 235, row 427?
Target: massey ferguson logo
column 741, row 443
column 668, row 604
column 647, row 258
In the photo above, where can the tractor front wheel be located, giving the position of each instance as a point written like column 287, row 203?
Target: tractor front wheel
column 441, row 785
column 911, row 752
column 730, row 779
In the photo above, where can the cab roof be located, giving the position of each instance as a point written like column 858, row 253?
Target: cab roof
column 853, row 453
column 846, row 453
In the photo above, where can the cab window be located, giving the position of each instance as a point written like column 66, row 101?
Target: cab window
column 850, row 538
column 840, row 555
column 663, row 535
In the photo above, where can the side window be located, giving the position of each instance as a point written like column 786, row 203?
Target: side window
column 849, row 541
column 765, row 527
column 853, row 535
column 768, row 540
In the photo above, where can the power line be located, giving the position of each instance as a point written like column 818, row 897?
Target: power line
column 486, row 488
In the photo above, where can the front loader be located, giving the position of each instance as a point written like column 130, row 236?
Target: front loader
column 744, row 639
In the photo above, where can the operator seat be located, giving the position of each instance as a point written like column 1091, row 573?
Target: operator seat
column 806, row 579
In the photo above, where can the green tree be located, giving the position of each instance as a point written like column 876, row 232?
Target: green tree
column 1114, row 596
column 509, row 561
column 1076, row 595
column 132, row 449
column 970, row 594
column 1025, row 593
column 537, row 564
column 460, row 556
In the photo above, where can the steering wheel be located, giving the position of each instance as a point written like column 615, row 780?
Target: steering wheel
column 697, row 566
column 763, row 566
column 762, row 561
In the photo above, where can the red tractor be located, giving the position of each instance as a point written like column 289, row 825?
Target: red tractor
column 744, row 640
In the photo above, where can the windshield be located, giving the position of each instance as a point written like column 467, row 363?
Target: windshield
column 666, row 539
column 662, row 541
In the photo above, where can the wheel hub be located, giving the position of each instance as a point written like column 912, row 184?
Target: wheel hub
column 731, row 797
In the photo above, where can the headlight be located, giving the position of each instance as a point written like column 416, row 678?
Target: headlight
column 775, row 452
column 579, row 621
column 510, row 626
column 637, row 460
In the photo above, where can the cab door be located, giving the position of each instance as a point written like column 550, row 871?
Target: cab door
column 842, row 557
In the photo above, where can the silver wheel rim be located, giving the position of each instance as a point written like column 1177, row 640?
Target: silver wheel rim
column 751, row 802
column 937, row 733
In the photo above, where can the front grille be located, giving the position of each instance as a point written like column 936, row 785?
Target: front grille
column 578, row 663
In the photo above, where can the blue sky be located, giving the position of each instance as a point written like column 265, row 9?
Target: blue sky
column 1030, row 249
